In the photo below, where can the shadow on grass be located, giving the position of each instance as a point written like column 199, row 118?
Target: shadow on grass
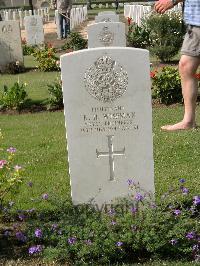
column 11, row 248
column 33, row 106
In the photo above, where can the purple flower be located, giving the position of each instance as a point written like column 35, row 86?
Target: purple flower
column 130, row 182
column 153, row 206
column 45, row 196
column 191, row 235
column 195, row 248
column 113, row 222
column 177, row 212
column 173, row 242
column 35, row 249
column 185, row 190
column 30, row 184
column 21, row 217
column 88, row 242
column 192, row 209
column 17, row 167
column 71, row 240
column 20, row 236
column 196, row 200
column 54, row 227
column 6, row 233
column 111, row 212
column 134, row 210
column 182, row 180
column 2, row 163
column 119, row 244
column 38, row 233
column 11, row 150
column 139, row 197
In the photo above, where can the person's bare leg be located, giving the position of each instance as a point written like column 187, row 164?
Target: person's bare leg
column 187, row 68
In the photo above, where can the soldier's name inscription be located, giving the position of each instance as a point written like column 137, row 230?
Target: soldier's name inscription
column 103, row 119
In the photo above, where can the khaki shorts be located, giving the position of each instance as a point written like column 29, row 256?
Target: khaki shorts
column 191, row 43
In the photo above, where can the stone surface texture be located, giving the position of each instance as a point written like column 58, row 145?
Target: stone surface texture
column 108, row 118
column 106, row 34
column 10, row 43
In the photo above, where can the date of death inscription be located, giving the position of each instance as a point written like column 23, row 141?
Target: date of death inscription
column 108, row 119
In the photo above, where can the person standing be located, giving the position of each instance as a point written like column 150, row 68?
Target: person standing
column 64, row 9
column 189, row 61
column 116, row 4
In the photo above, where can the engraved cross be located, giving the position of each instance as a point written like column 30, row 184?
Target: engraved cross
column 111, row 153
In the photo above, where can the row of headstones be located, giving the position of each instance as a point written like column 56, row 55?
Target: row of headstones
column 20, row 15
column 138, row 12
column 10, row 39
column 77, row 16
column 107, row 103
column 106, row 5
column 10, row 35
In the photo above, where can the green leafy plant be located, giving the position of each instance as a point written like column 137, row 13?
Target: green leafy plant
column 166, row 34
column 46, row 58
column 138, row 36
column 75, row 42
column 134, row 229
column 56, row 96
column 167, row 85
column 161, row 34
column 130, row 230
column 13, row 98
column 28, row 49
column 11, row 176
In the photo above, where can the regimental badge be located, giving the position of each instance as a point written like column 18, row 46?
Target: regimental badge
column 106, row 20
column 106, row 80
column 106, row 37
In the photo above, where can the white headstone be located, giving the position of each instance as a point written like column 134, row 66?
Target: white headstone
column 10, row 43
column 106, row 12
column 107, row 18
column 106, row 34
column 34, row 30
column 108, row 118
column 21, row 18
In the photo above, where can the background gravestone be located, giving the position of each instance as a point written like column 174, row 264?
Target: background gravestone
column 10, row 43
column 106, row 34
column 106, row 12
column 34, row 30
column 108, row 118
column 107, row 18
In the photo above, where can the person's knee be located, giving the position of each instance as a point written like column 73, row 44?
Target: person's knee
column 186, row 67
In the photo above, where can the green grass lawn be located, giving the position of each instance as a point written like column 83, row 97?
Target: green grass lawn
column 36, row 81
